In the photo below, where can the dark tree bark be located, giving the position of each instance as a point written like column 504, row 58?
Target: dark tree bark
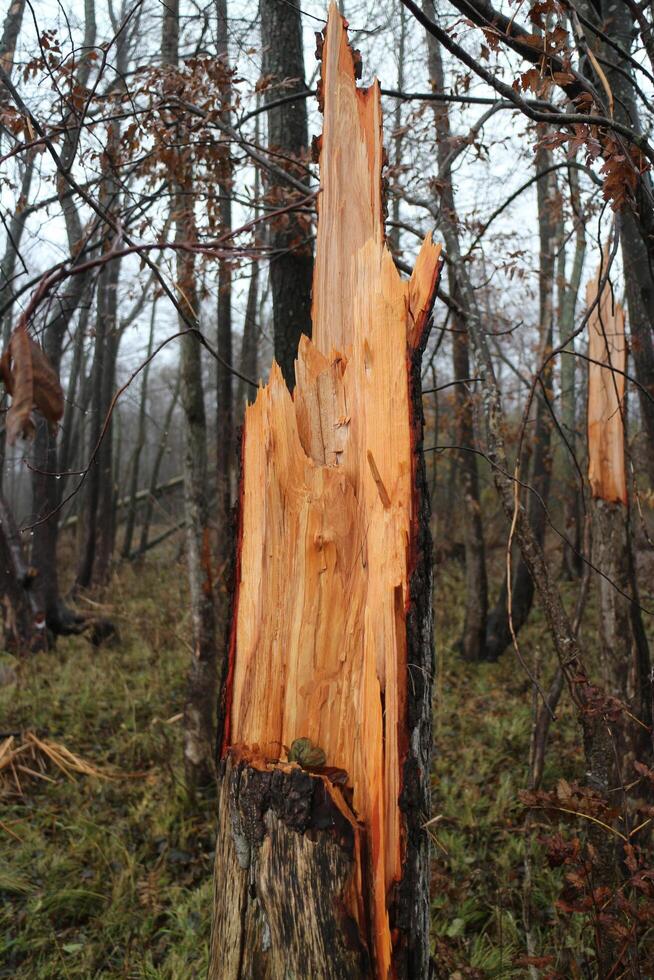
column 568, row 294
column 291, row 264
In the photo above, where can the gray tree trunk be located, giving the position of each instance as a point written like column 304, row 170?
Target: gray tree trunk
column 200, row 707
column 476, row 599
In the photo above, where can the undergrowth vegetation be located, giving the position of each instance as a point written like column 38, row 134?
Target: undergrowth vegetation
column 111, row 876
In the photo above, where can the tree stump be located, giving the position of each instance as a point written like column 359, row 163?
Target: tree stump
column 322, row 855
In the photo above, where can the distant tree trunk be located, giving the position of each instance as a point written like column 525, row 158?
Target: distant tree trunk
column 130, row 519
column 498, row 633
column 74, row 407
column 248, row 363
column 106, row 467
column 156, row 467
column 327, row 701
column 102, row 494
column 568, row 293
column 101, row 489
column 97, row 469
column 291, row 264
column 476, row 600
column 200, row 707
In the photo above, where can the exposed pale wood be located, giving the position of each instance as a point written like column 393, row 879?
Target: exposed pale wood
column 606, row 345
column 332, row 608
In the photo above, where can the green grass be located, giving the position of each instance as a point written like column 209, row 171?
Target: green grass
column 112, row 878
column 483, row 721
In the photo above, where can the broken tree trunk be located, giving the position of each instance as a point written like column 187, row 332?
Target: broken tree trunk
column 623, row 643
column 322, row 854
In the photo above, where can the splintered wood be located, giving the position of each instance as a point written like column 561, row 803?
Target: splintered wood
column 606, row 346
column 328, row 522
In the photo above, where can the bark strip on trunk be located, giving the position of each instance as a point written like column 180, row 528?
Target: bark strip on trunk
column 331, row 639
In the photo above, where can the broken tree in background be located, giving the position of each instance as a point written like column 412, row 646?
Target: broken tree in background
column 321, row 862
column 623, row 643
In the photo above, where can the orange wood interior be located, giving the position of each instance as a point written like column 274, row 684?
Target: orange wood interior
column 606, row 345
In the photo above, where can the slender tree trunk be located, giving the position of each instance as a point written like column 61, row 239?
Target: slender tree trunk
column 75, row 406
column 569, row 292
column 248, row 364
column 224, row 383
column 200, row 707
column 106, row 460
column 498, row 633
column 156, row 467
column 636, row 222
column 139, row 446
column 96, row 470
column 476, row 600
column 291, row 264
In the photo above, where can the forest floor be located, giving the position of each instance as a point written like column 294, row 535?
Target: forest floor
column 110, row 875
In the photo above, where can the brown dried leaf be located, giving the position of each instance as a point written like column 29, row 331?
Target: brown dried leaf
column 48, row 395
column 19, row 421
column 32, row 382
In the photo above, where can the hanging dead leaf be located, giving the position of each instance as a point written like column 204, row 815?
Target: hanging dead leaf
column 48, row 395
column 32, row 382
column 19, row 416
